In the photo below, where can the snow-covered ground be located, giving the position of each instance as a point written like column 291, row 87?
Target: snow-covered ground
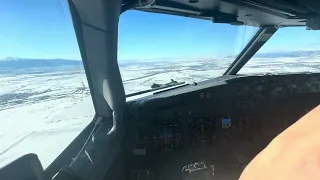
column 43, row 110
column 42, row 113
column 139, row 76
column 282, row 65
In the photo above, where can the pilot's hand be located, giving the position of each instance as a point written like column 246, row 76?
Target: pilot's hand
column 292, row 155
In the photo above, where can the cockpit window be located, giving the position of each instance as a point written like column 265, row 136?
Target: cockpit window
column 289, row 50
column 44, row 96
column 159, row 49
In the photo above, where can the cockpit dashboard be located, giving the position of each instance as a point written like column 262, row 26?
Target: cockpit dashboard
column 222, row 123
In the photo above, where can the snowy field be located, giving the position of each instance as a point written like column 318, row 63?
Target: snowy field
column 39, row 110
column 42, row 110
column 139, row 76
column 282, row 65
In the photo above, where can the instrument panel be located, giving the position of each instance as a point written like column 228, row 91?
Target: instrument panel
column 190, row 134
column 201, row 132
column 238, row 110
column 198, row 133
column 211, row 130
column 167, row 137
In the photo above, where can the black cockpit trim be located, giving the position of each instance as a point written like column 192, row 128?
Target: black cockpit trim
column 259, row 39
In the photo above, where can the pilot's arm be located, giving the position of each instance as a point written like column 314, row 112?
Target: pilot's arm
column 292, row 155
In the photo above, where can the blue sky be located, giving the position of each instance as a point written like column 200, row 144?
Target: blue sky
column 43, row 29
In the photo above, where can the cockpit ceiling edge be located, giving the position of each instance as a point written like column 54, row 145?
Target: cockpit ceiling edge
column 236, row 12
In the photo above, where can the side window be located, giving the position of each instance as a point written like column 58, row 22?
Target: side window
column 289, row 50
column 44, row 96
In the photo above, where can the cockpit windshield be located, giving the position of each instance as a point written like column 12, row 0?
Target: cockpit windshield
column 157, row 49
column 290, row 50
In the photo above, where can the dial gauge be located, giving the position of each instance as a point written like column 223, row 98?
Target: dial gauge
column 201, row 133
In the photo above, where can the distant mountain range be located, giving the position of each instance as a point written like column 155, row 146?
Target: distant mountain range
column 24, row 63
column 289, row 54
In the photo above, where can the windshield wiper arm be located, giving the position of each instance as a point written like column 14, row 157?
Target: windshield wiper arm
column 155, row 89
